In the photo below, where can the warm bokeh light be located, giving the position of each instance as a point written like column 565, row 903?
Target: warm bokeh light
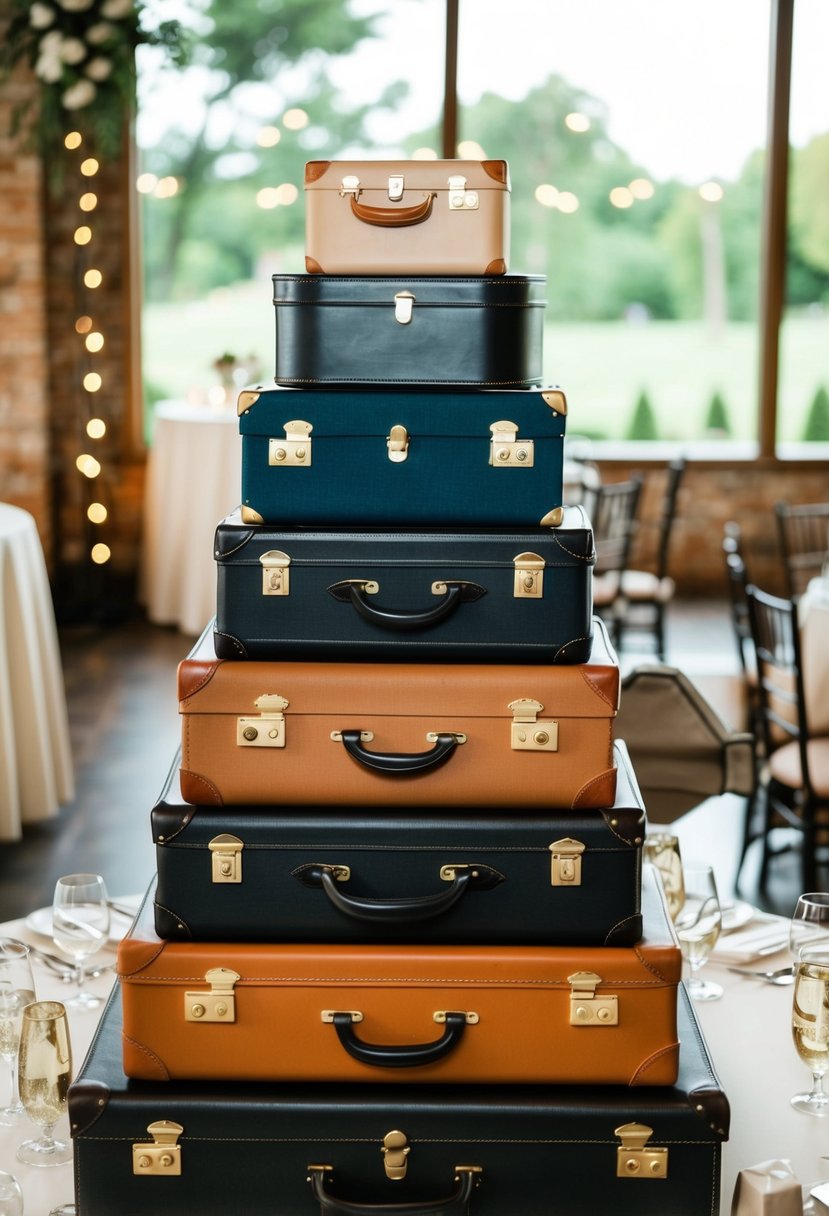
column 88, row 202
column 286, row 194
column 217, row 395
column 94, row 342
column 640, row 187
column 146, row 183
column 577, row 122
column 470, row 149
column 712, row 192
column 92, row 382
column 295, row 119
column 546, row 194
column 100, row 553
column 96, row 428
column 72, row 140
column 268, row 137
column 88, row 465
column 567, row 202
column 424, row 154
column 620, row 196
column 83, row 235
column 166, row 188
column 93, row 278
column 267, row 198
column 83, row 325
column 96, row 513
column 89, row 167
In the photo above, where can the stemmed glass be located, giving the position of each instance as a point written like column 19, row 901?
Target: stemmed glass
column 80, row 926
column 698, row 926
column 662, row 850
column 45, row 1073
column 810, row 1025
column 810, row 922
column 17, row 990
column 11, row 1196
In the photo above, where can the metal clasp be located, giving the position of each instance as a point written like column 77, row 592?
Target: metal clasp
column 633, row 1159
column 396, row 185
column 527, row 733
column 461, row 199
column 587, row 1009
column 350, row 185
column 163, row 1156
column 266, row 730
column 217, row 1005
column 469, row 1015
column 397, row 442
column 226, row 860
column 327, row 1015
column 295, row 449
column 529, row 576
column 403, row 305
column 565, row 862
column 276, row 579
column 395, row 1150
column 505, row 449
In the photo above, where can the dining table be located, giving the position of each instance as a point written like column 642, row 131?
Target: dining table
column 748, row 1033
column 36, row 769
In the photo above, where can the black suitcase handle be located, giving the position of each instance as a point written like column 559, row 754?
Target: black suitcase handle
column 399, row 911
column 400, row 764
column 402, row 621
column 392, row 217
column 467, row 1177
column 389, row 1055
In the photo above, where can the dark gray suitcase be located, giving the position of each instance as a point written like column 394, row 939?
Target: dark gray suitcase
column 199, row 1149
column 439, row 594
column 311, row 874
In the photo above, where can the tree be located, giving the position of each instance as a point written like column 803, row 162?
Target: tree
column 809, row 194
column 643, row 421
column 816, row 429
column 716, row 419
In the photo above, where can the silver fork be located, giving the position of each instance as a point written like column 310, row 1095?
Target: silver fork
column 783, row 975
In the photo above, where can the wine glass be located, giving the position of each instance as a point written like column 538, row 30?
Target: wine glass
column 45, row 1072
column 698, row 926
column 661, row 849
column 11, row 1196
column 80, row 926
column 810, row 1025
column 17, row 990
column 810, row 922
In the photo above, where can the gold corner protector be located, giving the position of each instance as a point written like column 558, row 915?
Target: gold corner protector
column 555, row 398
column 249, row 516
column 247, row 398
column 553, row 519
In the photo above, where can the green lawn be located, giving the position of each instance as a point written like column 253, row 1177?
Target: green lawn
column 602, row 366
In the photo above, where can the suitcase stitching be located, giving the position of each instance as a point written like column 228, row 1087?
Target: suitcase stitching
column 626, row 920
column 583, row 791
column 205, row 680
column 234, row 641
column 175, row 916
column 151, row 1054
column 217, row 799
column 674, row 1047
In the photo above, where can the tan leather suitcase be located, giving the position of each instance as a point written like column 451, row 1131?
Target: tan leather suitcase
column 480, row 1014
column 354, row 734
column 407, row 217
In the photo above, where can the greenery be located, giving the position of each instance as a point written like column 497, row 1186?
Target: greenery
column 716, row 419
column 642, row 423
column 816, row 428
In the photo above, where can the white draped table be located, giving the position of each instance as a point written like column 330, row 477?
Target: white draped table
column 36, row 773
column 813, row 618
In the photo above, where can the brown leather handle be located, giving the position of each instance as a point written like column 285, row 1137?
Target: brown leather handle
column 392, row 217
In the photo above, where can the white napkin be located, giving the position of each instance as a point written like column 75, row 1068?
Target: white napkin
column 755, row 940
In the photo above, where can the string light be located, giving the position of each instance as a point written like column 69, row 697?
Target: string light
column 268, row 137
column 424, row 154
column 266, row 198
column 286, row 194
column 100, row 553
column 96, row 428
column 96, row 513
column 88, row 465
column 83, row 325
column 73, row 140
column 567, row 202
column 712, row 192
column 547, row 195
column 88, row 202
column 93, row 278
column 620, row 196
column 640, row 187
column 166, row 187
column 83, row 235
column 89, row 167
column 92, row 382
column 94, row 342
column 579, row 123
column 295, row 119
column 470, row 149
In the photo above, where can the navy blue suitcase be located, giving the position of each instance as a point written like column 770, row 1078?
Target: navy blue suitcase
column 408, row 458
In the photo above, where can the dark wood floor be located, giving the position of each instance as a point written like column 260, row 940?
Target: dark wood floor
column 121, row 693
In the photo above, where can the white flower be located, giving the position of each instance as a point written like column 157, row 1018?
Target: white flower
column 98, row 68
column 79, row 95
column 76, row 6
column 41, row 16
column 115, row 9
column 100, row 32
column 72, row 50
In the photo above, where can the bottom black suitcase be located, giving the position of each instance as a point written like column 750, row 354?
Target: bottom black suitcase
column 200, row 1149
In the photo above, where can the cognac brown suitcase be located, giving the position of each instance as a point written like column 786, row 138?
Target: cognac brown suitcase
column 353, row 734
column 602, row 1015
column 407, row 217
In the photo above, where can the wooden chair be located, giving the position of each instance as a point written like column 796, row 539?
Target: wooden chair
column 795, row 776
column 737, row 581
column 803, row 531
column 614, row 519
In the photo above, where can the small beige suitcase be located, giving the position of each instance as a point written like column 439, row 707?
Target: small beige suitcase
column 443, row 217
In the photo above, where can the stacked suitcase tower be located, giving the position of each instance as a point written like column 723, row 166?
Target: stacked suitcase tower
column 374, row 978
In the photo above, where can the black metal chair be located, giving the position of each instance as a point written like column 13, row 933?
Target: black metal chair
column 803, row 531
column 614, row 520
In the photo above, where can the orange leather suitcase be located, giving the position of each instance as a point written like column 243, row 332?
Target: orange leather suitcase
column 353, row 734
column 593, row 1015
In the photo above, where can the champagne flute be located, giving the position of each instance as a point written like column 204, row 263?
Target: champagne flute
column 45, row 1073
column 661, row 849
column 11, row 1196
column 810, row 1025
column 698, row 926
column 810, row 922
column 17, row 990
column 80, row 926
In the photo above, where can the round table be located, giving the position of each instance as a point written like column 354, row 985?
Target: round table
column 36, row 773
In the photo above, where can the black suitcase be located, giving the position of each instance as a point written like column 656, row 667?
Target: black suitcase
column 200, row 1149
column 388, row 593
column 311, row 874
column 465, row 330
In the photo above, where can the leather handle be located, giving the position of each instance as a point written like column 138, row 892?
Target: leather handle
column 399, row 764
column 392, row 217
column 402, row 620
column 455, row 1204
column 387, row 1055
column 398, row 911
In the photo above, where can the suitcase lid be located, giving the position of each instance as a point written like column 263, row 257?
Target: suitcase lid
column 207, row 685
column 373, row 412
column 458, row 291
column 432, row 175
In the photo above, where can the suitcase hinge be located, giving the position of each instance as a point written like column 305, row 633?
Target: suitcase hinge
column 556, row 400
column 217, row 1005
column 395, row 1150
column 565, row 862
column 529, row 576
column 266, row 729
column 163, row 1156
column 587, row 1009
column 506, row 451
column 226, row 862
column 461, row 199
column 397, row 441
column 396, row 187
column 295, row 448
column 276, row 578
column 403, row 305
column 633, row 1159
column 529, row 734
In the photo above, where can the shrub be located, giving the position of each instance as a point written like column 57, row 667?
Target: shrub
column 816, row 428
column 643, row 420
column 716, row 420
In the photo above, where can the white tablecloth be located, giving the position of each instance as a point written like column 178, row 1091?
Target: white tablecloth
column 193, row 482
column 813, row 617
column 35, row 760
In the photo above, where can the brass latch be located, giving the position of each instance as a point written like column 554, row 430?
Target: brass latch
column 268, row 728
column 327, row 1015
column 529, row 576
column 226, row 862
column 556, row 400
column 527, row 733
column 565, row 862
column 461, row 199
column 403, row 304
column 395, row 1150
column 366, row 736
column 217, row 1005
column 295, row 448
column 276, row 578
column 351, row 185
column 163, row 1156
column 633, row 1159
column 505, row 449
column 397, row 441
column 396, row 185
column 587, row 1009
column 469, row 1015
